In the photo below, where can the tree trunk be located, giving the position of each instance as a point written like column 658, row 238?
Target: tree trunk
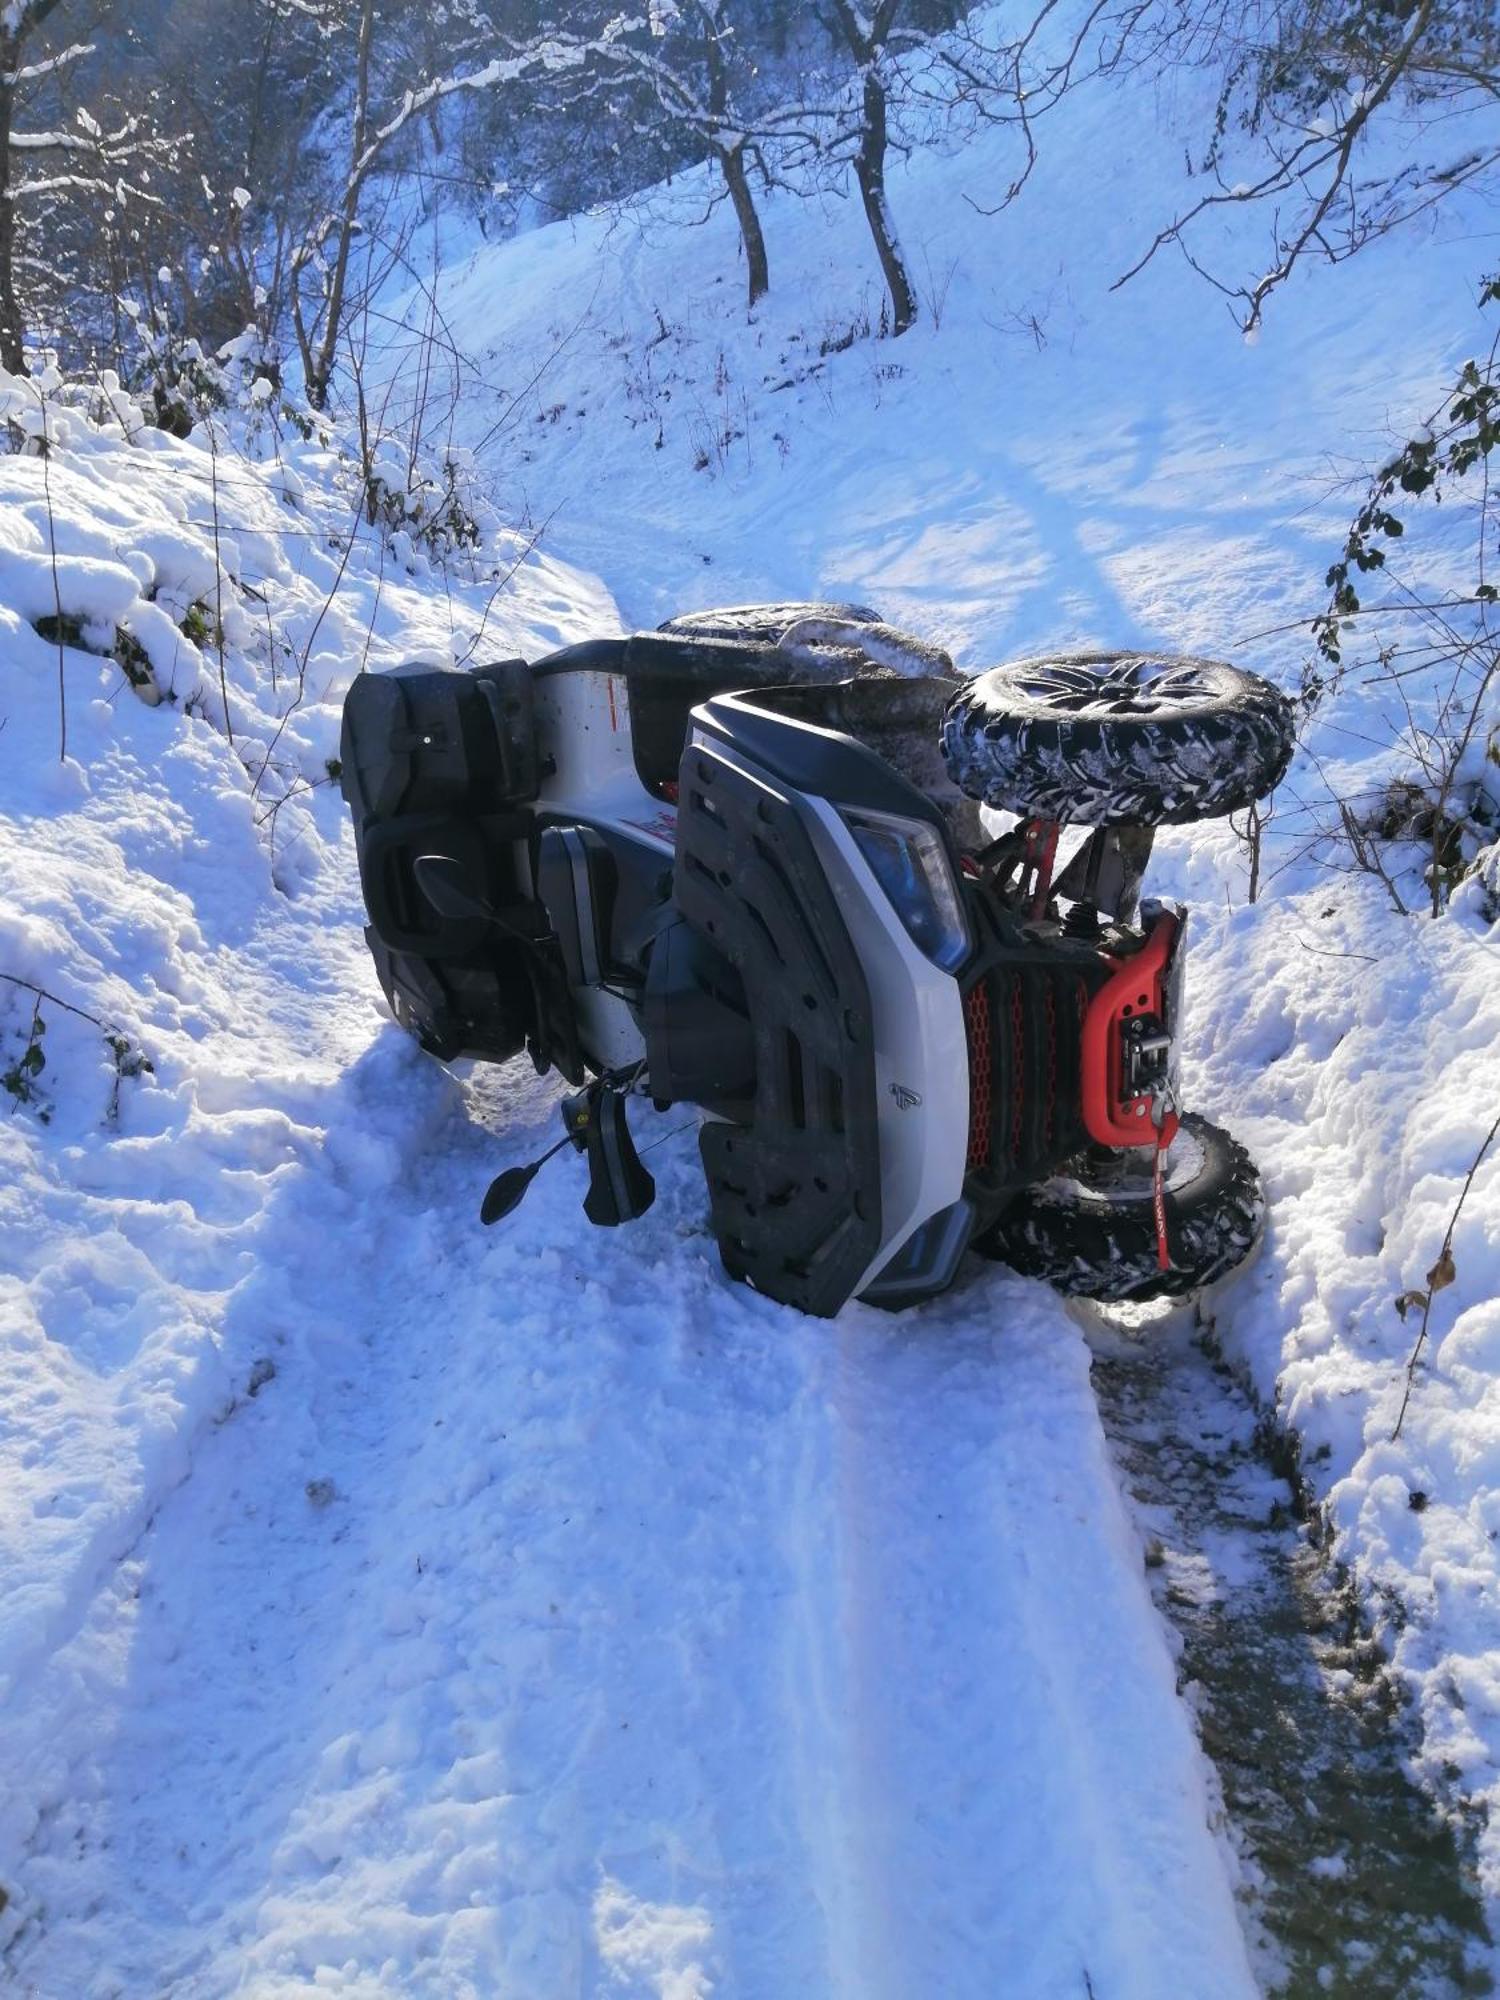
column 869, row 172
column 12, row 328
column 322, row 369
column 732, row 161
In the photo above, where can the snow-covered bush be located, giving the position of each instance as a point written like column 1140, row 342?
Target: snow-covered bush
column 44, row 410
column 182, row 383
column 1429, row 649
column 431, row 510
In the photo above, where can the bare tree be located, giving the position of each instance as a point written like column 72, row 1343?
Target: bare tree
column 46, row 166
column 1310, row 91
column 253, row 86
column 1428, row 647
column 697, row 71
column 934, row 68
column 868, row 39
column 729, row 141
column 319, row 266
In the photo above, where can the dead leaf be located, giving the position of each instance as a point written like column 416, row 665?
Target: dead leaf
column 1442, row 1273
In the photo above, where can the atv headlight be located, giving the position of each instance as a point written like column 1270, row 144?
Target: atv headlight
column 909, row 861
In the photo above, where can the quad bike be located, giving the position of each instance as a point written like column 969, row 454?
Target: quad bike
column 739, row 863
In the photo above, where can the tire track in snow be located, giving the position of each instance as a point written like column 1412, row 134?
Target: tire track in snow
column 1000, row 1792
column 648, row 1638
column 464, row 1395
column 1363, row 1888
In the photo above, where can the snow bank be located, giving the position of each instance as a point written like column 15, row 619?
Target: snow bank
column 180, row 915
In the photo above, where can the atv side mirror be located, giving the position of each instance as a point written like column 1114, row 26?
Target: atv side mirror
column 445, row 883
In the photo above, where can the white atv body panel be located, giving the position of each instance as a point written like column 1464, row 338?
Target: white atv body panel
column 583, row 740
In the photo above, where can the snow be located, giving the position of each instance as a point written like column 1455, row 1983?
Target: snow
column 395, row 1607
column 1059, row 465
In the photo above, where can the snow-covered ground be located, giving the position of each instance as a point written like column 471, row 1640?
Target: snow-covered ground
column 394, row 1608
column 1057, row 463
column 409, row 1609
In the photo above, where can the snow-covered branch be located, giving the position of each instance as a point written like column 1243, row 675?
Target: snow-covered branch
column 1310, row 95
column 50, row 66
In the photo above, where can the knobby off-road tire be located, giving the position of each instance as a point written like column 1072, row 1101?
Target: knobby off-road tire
column 764, row 622
column 830, row 641
column 1099, row 1242
column 1099, row 738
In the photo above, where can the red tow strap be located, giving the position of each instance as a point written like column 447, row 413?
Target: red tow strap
column 1159, row 1201
column 1167, row 1123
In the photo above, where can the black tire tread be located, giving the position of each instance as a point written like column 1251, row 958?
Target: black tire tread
column 1105, row 1250
column 1007, row 750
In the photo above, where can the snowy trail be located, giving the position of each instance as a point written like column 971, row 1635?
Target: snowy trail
column 969, row 1659
column 548, row 1627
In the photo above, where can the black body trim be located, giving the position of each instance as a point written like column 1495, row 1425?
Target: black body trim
column 811, row 757
column 795, row 1195
column 435, row 762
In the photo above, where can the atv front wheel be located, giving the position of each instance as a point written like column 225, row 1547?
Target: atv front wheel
column 1104, row 738
column 1097, row 1239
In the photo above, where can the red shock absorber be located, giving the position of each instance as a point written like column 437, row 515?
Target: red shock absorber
column 1040, row 854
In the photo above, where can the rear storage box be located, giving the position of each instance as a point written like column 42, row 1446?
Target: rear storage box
column 444, row 763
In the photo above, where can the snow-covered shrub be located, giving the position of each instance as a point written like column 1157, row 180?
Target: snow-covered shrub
column 21, row 1066
column 1478, row 894
column 182, row 382
column 1428, row 651
column 25, row 1051
column 44, row 410
column 430, row 511
column 255, row 388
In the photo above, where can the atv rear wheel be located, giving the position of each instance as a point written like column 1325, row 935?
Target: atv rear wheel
column 836, row 641
column 1105, row 738
column 763, row 622
column 1096, row 1239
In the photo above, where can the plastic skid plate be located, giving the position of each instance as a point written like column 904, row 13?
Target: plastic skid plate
column 795, row 1195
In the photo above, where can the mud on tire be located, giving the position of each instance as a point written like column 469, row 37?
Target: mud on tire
column 1096, row 738
column 1098, row 1241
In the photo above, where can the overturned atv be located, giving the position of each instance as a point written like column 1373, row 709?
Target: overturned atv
column 739, row 863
